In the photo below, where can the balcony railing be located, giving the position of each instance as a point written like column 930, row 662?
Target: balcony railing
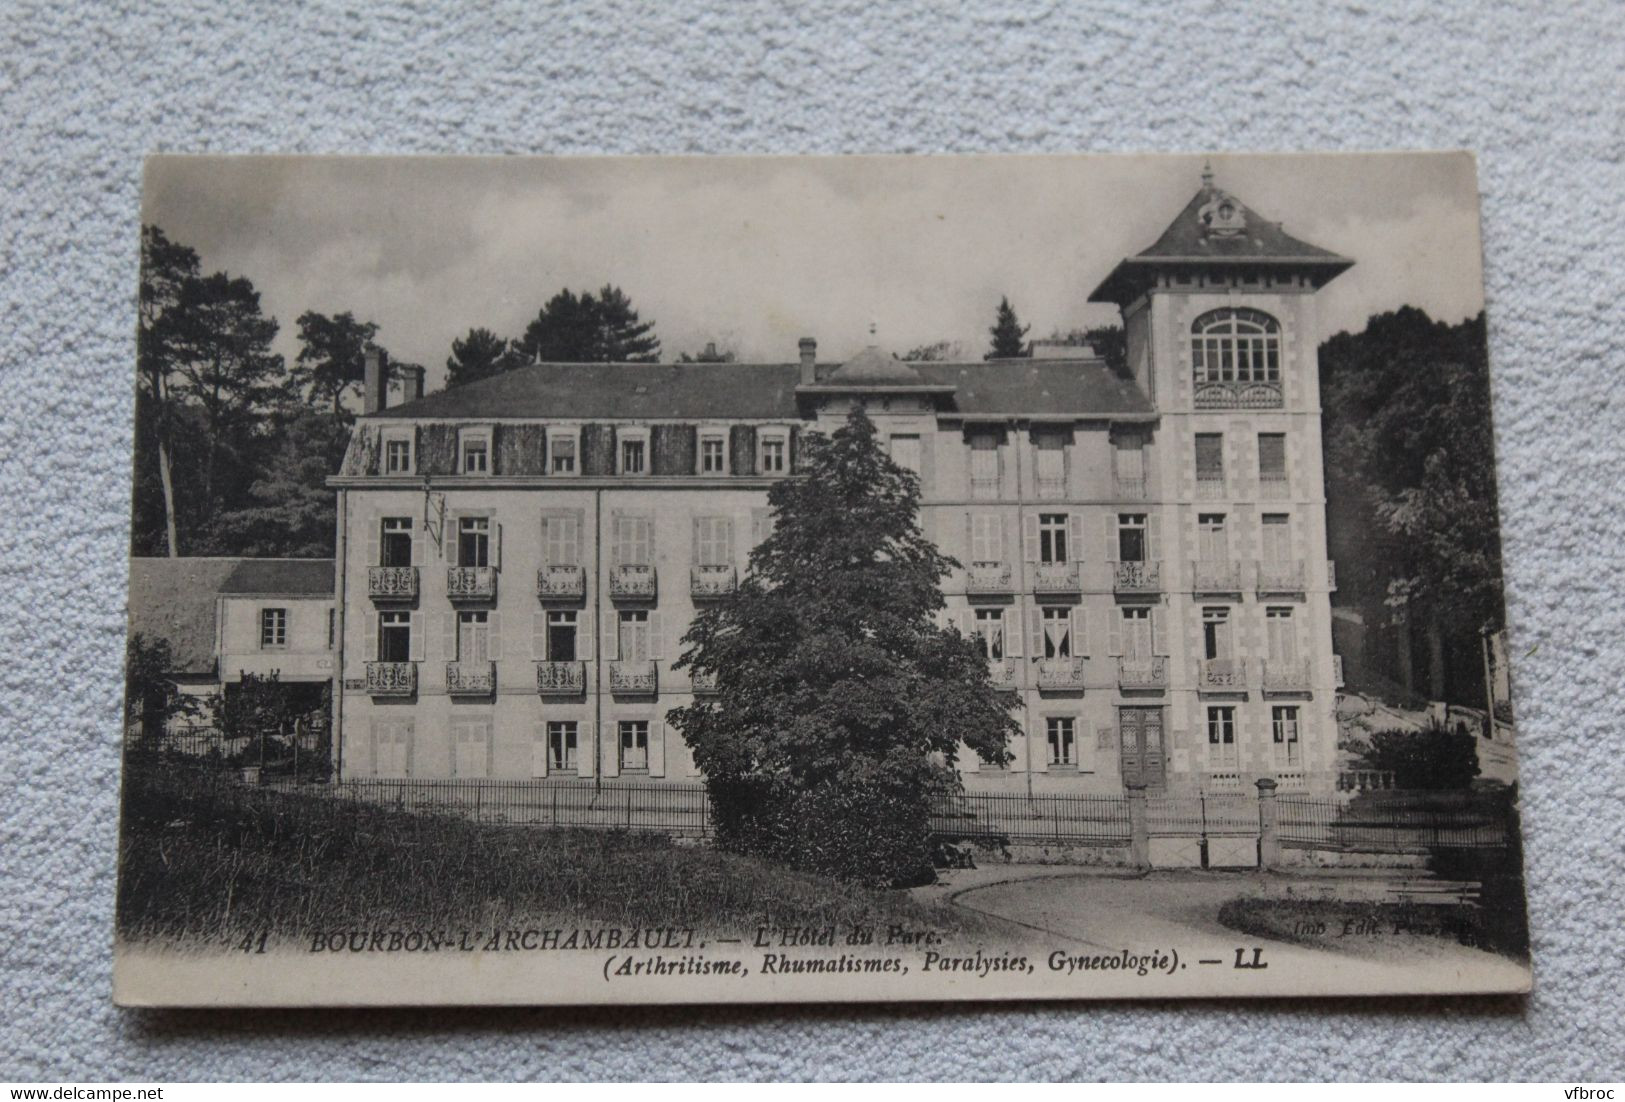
column 1274, row 487
column 1061, row 673
column 1238, row 395
column 1337, row 671
column 988, row 577
column 561, row 582
column 635, row 676
column 1137, row 578
column 1055, row 577
column 561, row 678
column 1291, row 780
column 703, row 683
column 392, row 678
column 1286, row 677
column 707, row 583
column 1210, row 489
column 1222, row 781
column 1144, row 674
column 1216, row 576
column 1003, row 676
column 471, row 678
column 1128, row 489
column 471, row 583
column 632, row 582
column 1225, row 675
column 1281, row 577
column 392, row 583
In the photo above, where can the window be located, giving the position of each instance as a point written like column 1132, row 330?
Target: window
column 1058, row 633
column 713, row 454
column 394, row 637
column 1210, row 461
column 905, row 452
column 990, row 633
column 561, row 452
column 392, row 748
column 986, row 537
column 1216, row 633
column 395, row 542
column 561, row 745
column 634, row 636
column 1132, row 544
column 474, row 541
column 775, row 448
column 713, row 541
column 984, row 465
column 397, row 455
column 1221, row 738
column 1128, row 464
column 273, row 628
column 1062, row 740
column 1136, row 633
column 634, row 455
column 561, row 541
column 332, row 627
column 473, row 637
column 1272, row 460
column 634, row 745
column 1282, row 637
column 1235, row 345
column 1284, row 729
column 476, row 454
column 631, row 547
column 561, row 636
column 1277, row 537
column 1052, row 529
column 1212, row 541
column 1051, row 464
column 471, row 748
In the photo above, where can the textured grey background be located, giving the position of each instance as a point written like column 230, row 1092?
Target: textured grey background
column 86, row 90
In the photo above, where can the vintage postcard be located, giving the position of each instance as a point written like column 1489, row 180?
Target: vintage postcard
column 683, row 580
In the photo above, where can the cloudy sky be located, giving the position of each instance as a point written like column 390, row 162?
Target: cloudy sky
column 754, row 253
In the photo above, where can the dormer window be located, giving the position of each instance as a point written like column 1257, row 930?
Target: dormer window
column 561, row 452
column 773, row 451
column 474, row 452
column 398, row 452
column 713, row 452
column 632, row 455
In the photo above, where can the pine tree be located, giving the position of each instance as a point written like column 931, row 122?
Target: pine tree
column 1009, row 335
column 622, row 338
column 605, row 329
column 331, row 360
column 841, row 703
column 477, row 356
column 166, row 267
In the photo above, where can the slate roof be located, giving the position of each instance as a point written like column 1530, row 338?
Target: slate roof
column 174, row 599
column 1036, row 387
column 294, row 577
column 872, row 367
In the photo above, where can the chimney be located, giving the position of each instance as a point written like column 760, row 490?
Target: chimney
column 374, row 381
column 413, row 382
column 809, row 361
column 711, row 350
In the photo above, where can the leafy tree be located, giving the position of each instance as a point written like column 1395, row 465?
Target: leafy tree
column 479, row 355
column 1433, row 758
column 289, row 509
column 151, row 697
column 584, row 329
column 937, row 352
column 710, row 354
column 841, row 703
column 166, row 267
column 1009, row 335
column 332, row 358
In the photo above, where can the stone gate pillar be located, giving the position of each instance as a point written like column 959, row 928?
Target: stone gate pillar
column 1269, row 840
column 1139, row 843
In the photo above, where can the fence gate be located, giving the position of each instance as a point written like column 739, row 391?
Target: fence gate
column 1206, row 831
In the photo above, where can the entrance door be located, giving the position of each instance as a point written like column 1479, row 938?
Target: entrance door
column 1143, row 759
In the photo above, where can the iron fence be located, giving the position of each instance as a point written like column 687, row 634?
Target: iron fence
column 1393, row 822
column 1204, row 814
column 1078, row 820
column 678, row 808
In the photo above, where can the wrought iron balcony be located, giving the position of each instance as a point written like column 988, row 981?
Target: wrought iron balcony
column 1286, row 677
column 1238, row 395
column 1216, row 576
column 561, row 582
column 1210, row 489
column 1061, row 673
column 1128, row 489
column 392, row 678
column 1224, row 675
column 634, row 677
column 1144, row 674
column 988, row 578
column 1055, row 577
column 471, row 583
column 392, row 583
column 561, row 678
column 702, row 683
column 1137, row 578
column 707, row 583
column 471, row 678
column 1281, row 577
column 1002, row 675
column 632, row 582
column 1274, row 487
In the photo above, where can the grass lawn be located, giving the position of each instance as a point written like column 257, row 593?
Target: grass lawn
column 206, row 861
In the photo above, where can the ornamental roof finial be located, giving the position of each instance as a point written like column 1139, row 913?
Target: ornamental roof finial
column 1207, row 174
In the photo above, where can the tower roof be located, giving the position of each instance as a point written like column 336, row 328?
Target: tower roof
column 1215, row 228
column 872, row 367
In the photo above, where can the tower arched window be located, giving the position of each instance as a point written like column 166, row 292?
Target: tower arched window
column 1235, row 345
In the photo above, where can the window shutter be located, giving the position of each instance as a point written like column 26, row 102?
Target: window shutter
column 373, row 524
column 547, row 560
column 1038, row 749
column 737, row 526
column 617, row 540
column 1159, row 632
column 657, row 748
column 967, row 622
column 538, row 636
column 970, row 538
column 1029, row 537
column 584, row 636
column 448, row 636
column 417, row 637
column 369, row 644
column 538, row 751
column 1001, row 548
column 493, row 636
column 417, row 546
column 694, row 543
column 1076, row 534
column 586, row 749
column 611, row 764
column 657, row 637
column 1114, row 643
column 1153, row 538
column 496, row 545
column 1083, row 747
column 612, row 637
column 448, row 538
column 1080, row 632
column 1018, row 751
column 927, row 462
column 1013, row 632
column 1035, row 632
column 1110, row 523
column 408, row 734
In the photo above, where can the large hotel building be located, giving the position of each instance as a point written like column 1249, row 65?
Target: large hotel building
column 1143, row 550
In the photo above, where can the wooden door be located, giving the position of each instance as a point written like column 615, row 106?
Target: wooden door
column 1144, row 759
